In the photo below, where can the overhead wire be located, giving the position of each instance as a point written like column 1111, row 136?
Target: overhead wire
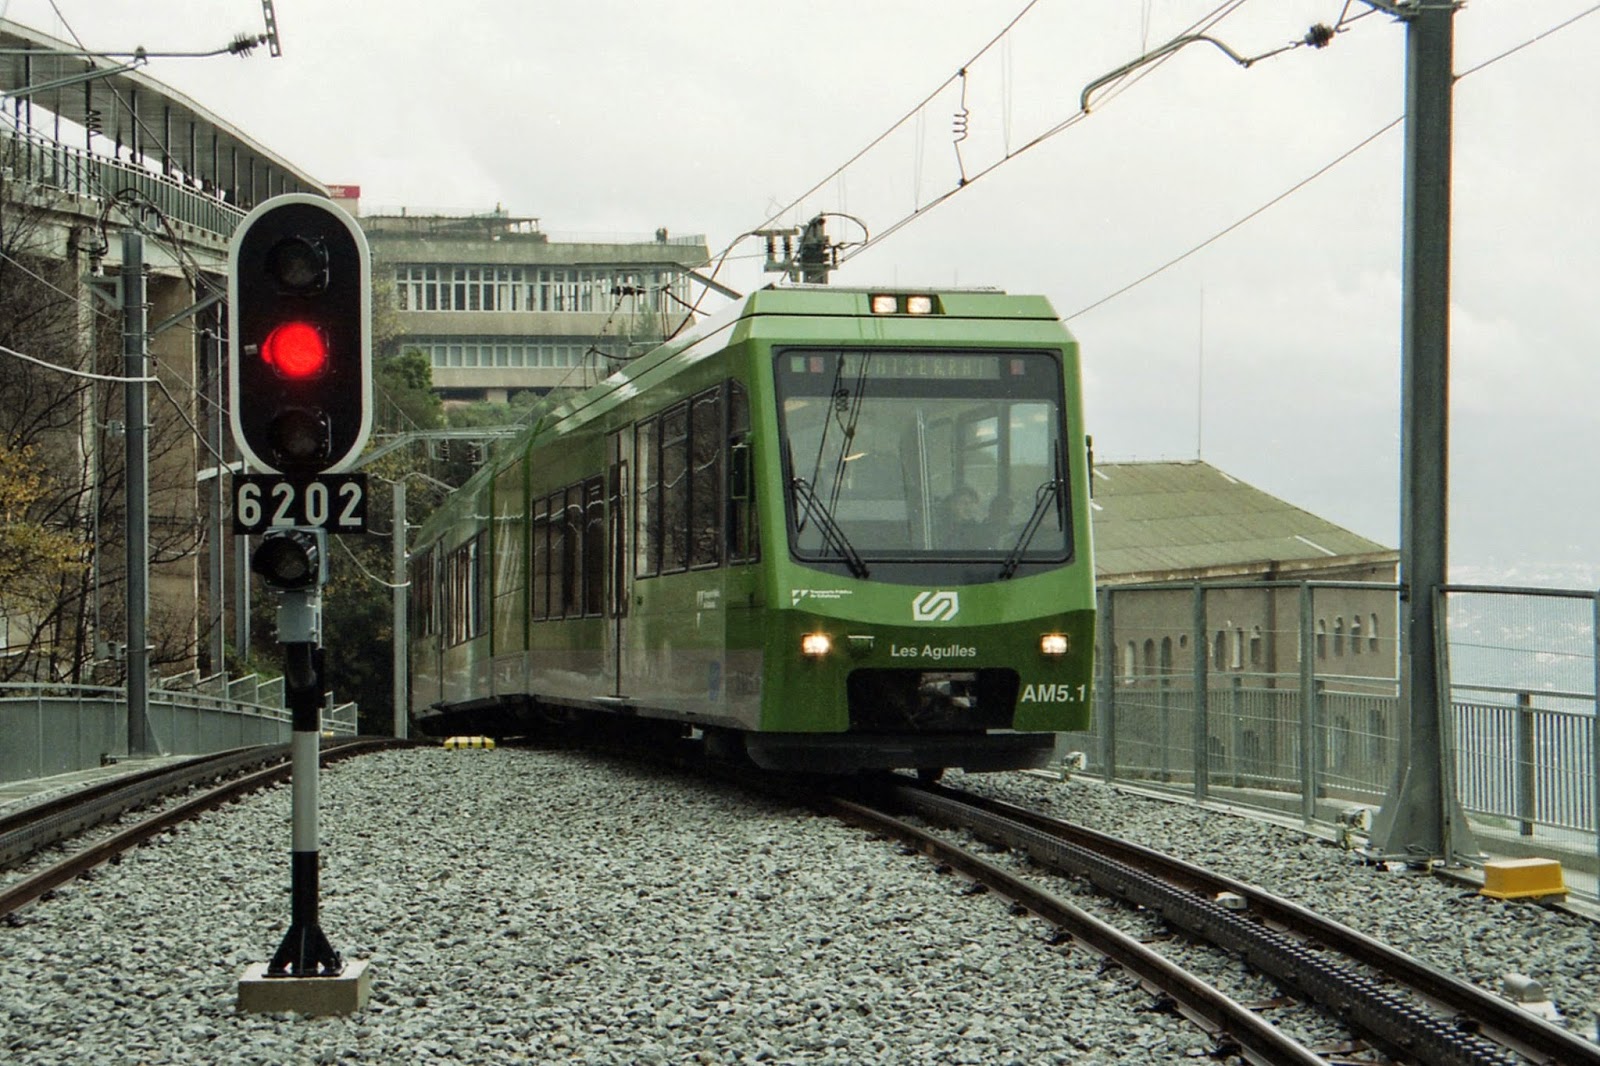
column 1302, row 183
column 1325, row 168
column 76, row 373
column 1121, row 80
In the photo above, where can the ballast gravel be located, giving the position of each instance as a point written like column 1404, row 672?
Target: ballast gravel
column 529, row 906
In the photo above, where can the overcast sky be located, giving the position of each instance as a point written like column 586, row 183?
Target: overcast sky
column 1274, row 353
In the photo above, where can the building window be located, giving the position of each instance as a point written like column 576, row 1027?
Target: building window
column 1338, row 637
column 1372, row 634
column 613, row 290
column 1322, row 639
column 457, row 352
column 1355, row 635
column 1255, row 647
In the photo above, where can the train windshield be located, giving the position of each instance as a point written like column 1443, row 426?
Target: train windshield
column 922, row 454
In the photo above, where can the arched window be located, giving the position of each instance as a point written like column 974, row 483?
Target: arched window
column 1255, row 647
column 1238, row 648
column 1219, row 650
column 1166, row 655
column 1322, row 639
column 1372, row 634
column 1338, row 637
column 1355, row 636
column 1149, row 657
column 1130, row 660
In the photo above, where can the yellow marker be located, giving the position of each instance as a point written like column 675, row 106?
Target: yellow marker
column 1523, row 879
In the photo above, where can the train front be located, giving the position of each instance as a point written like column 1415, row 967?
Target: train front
column 933, row 605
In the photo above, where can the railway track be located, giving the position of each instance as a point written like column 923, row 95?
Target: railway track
column 26, row 833
column 1399, row 1005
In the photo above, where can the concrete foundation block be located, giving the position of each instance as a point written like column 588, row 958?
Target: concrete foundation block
column 344, row 994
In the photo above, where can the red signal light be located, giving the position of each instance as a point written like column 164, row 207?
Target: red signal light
column 296, row 350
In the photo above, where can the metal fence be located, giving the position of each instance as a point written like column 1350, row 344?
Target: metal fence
column 51, row 729
column 72, row 171
column 1286, row 697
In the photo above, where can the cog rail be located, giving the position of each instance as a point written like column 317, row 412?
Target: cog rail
column 1442, row 1020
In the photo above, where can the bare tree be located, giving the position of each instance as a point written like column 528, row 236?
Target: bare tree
column 62, row 420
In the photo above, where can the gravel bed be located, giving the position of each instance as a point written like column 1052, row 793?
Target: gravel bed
column 546, row 907
column 525, row 906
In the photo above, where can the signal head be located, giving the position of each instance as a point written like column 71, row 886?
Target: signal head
column 292, row 559
column 300, row 306
column 299, row 264
column 296, row 350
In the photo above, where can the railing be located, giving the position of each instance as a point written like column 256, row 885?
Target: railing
column 1312, row 737
column 54, row 729
column 75, row 172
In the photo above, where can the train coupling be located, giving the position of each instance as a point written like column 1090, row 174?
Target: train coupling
column 957, row 690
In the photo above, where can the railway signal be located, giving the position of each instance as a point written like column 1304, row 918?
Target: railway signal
column 299, row 327
column 294, row 559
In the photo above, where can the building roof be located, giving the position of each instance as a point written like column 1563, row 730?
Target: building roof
column 1174, row 520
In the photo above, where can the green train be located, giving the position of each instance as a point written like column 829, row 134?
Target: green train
column 827, row 530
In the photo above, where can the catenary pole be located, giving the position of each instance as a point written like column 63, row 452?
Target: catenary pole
column 401, row 621
column 1421, row 818
column 136, row 444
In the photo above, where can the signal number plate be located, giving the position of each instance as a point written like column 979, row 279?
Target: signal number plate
column 335, row 502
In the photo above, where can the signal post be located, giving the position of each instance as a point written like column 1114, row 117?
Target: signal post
column 299, row 381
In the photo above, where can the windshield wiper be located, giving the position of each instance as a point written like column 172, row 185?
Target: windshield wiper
column 832, row 535
column 1044, row 495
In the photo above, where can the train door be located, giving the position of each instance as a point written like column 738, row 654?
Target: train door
column 618, row 570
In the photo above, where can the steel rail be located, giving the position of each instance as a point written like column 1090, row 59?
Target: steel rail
column 1189, row 901
column 1232, row 1024
column 1503, row 1020
column 27, row 890
column 26, row 831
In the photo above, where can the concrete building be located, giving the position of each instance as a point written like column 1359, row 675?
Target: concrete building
column 1188, row 523
column 500, row 307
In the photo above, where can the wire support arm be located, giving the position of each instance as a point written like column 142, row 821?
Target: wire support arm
column 1150, row 57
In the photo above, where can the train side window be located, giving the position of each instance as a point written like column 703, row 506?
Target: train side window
column 422, row 594
column 594, row 543
column 478, row 582
column 675, row 488
column 616, row 495
column 742, row 542
column 558, row 553
column 705, row 479
column 540, row 531
column 647, row 504
column 572, row 558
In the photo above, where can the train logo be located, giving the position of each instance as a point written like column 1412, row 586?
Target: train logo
column 935, row 606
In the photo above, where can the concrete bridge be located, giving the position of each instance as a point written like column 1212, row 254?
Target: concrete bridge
column 90, row 148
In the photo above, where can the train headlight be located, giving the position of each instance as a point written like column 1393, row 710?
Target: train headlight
column 919, row 305
column 885, row 304
column 815, row 645
column 1053, row 644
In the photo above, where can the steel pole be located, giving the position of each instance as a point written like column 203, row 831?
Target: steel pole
column 401, row 619
column 136, row 442
column 1414, row 821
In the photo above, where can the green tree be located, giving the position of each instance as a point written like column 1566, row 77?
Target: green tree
column 36, row 561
